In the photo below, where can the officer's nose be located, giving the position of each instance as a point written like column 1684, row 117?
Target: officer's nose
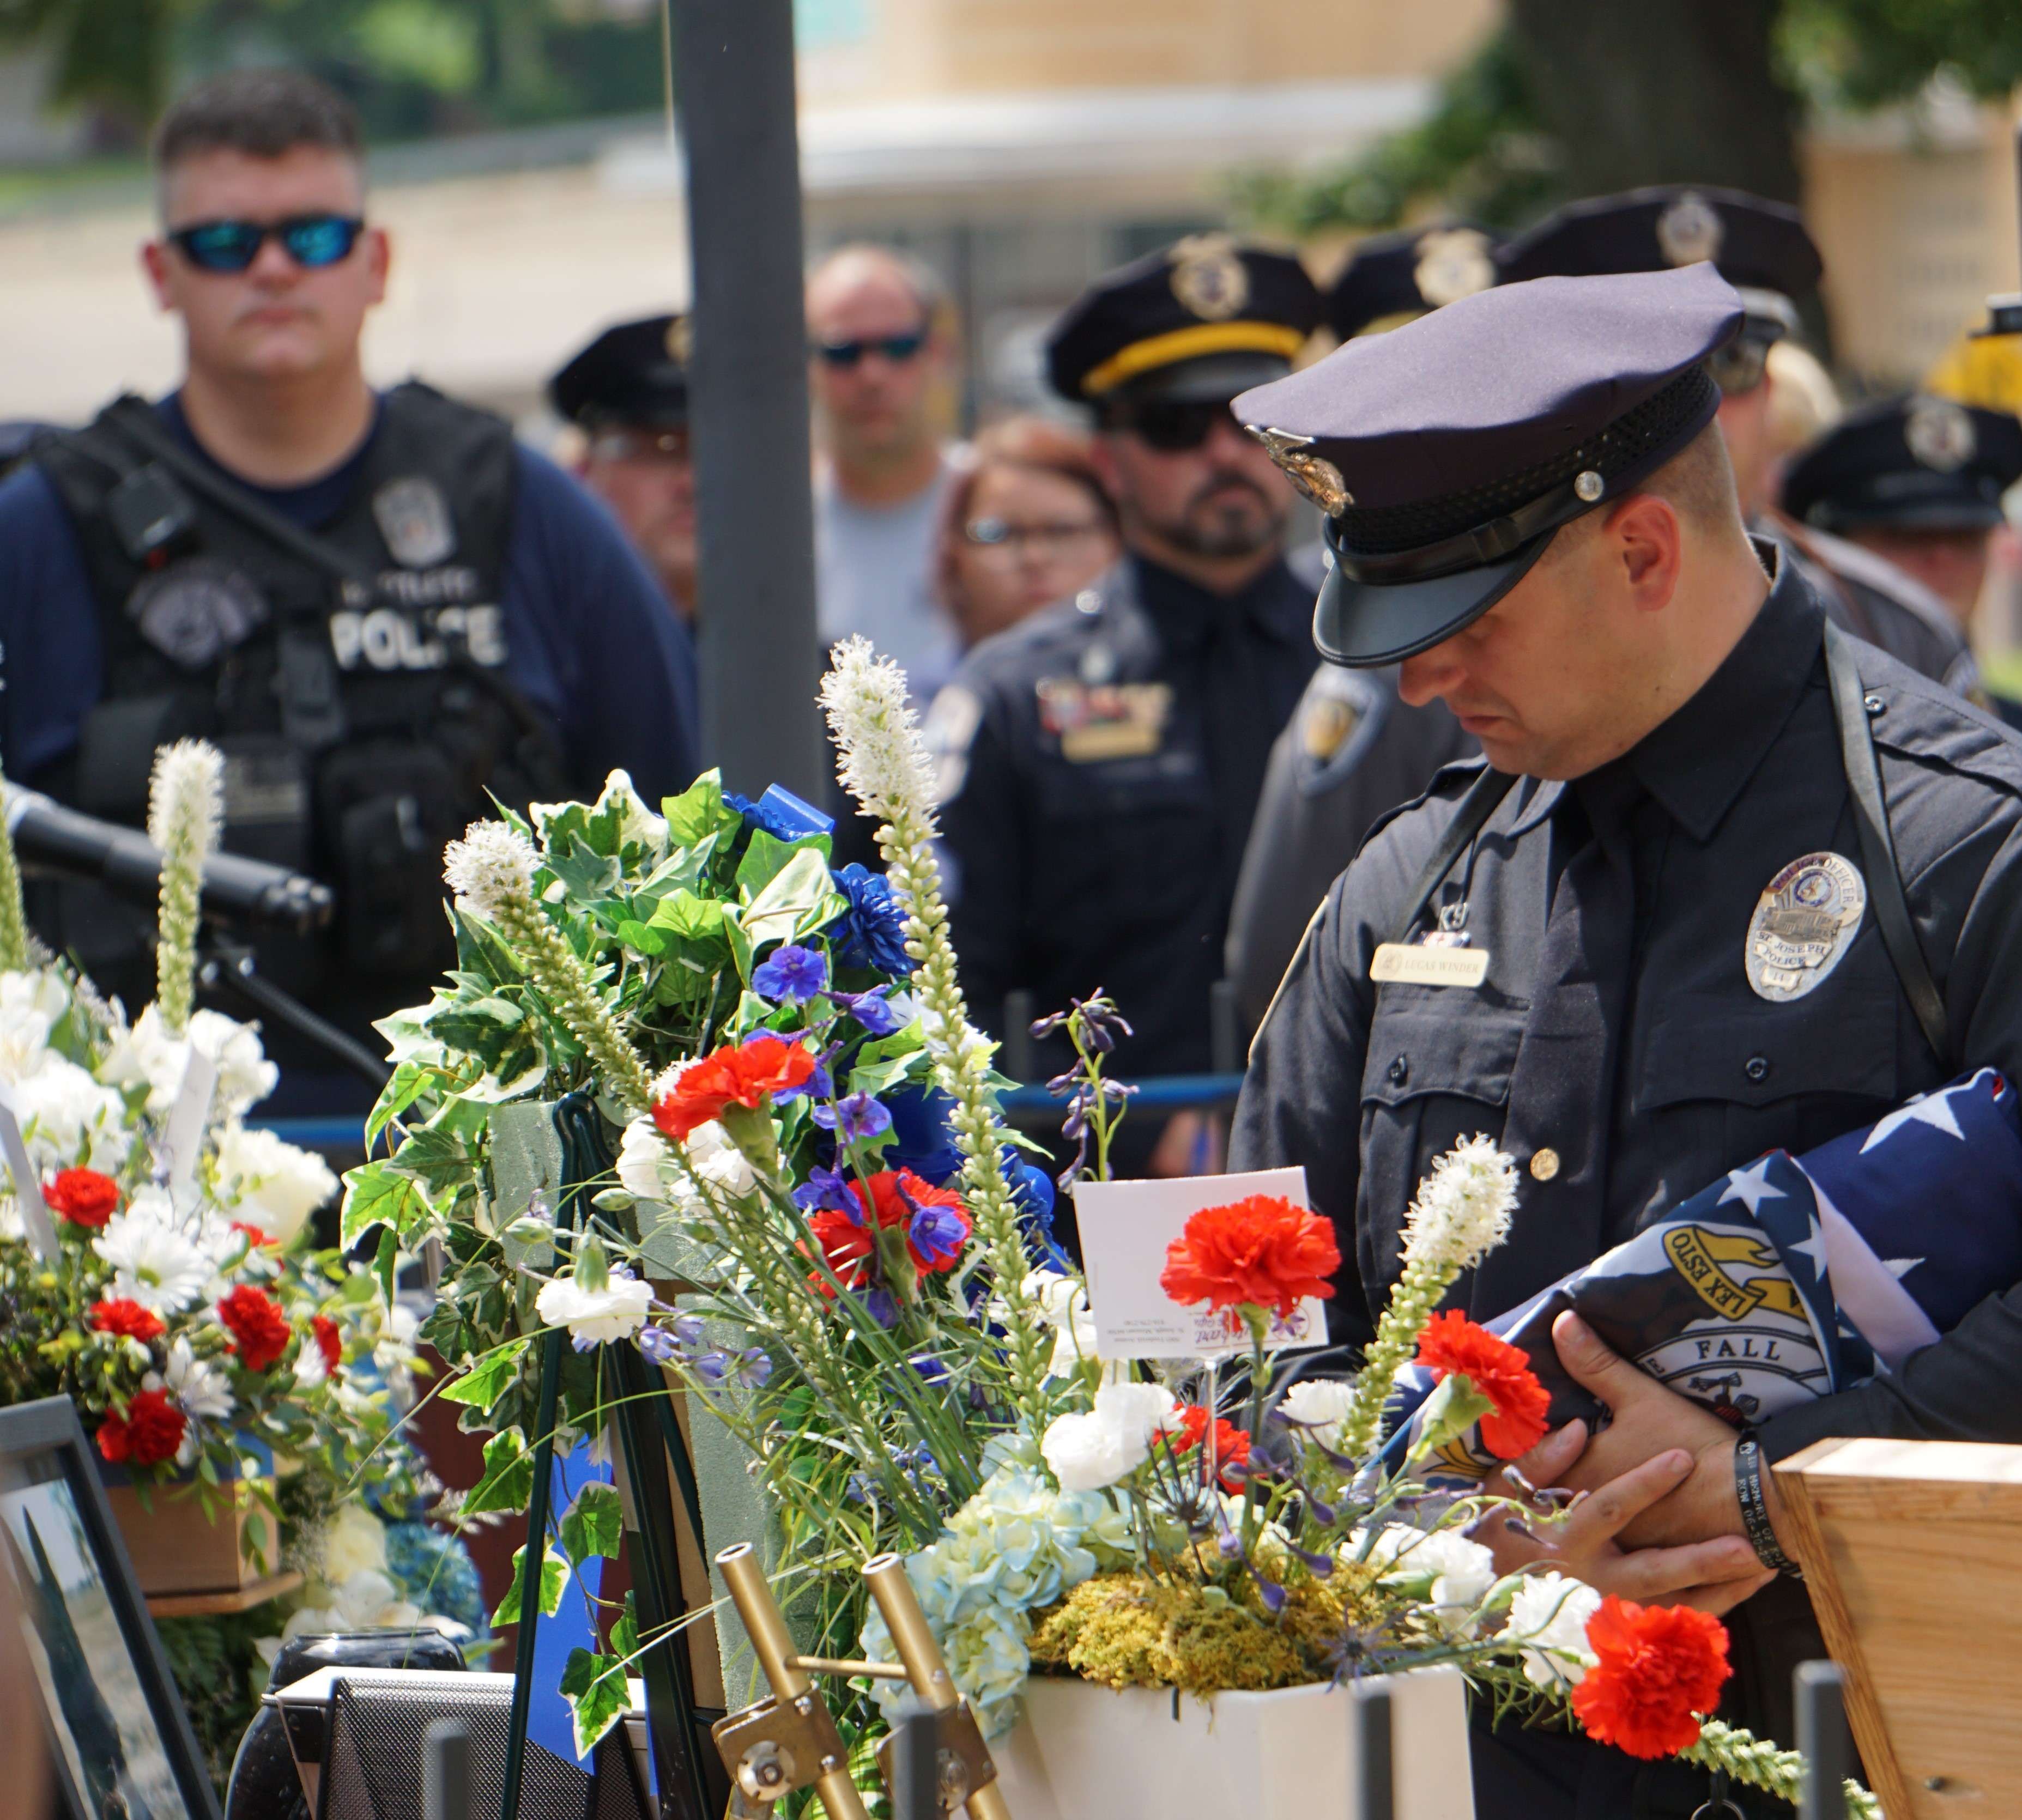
column 1430, row 674
column 272, row 265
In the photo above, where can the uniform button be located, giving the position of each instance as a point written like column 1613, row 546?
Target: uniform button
column 1544, row 1164
column 1757, row 1069
column 1400, row 1070
column 1874, row 704
column 1088, row 601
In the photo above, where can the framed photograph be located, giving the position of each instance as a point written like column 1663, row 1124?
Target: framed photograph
column 121, row 1743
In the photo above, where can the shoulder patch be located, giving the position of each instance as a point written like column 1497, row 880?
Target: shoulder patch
column 948, row 731
column 1338, row 721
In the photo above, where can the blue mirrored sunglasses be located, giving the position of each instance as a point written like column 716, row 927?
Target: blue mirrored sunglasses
column 310, row 240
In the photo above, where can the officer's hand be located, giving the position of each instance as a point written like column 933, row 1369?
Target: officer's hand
column 1713, row 1576
column 1648, row 1418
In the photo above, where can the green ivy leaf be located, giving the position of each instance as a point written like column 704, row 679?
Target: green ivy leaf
column 410, row 1080
column 798, row 889
column 437, row 1156
column 700, row 812
column 595, row 1525
column 381, row 1194
column 509, row 1476
column 594, row 1686
column 480, row 1387
column 554, row 1581
column 624, row 1632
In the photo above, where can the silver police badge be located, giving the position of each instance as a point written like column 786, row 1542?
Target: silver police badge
column 195, row 611
column 414, row 518
column 1315, row 476
column 1690, row 229
column 1939, row 434
column 1804, row 922
column 1209, row 277
column 1453, row 263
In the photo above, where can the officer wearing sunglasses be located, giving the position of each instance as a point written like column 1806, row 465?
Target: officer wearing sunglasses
column 385, row 611
column 1099, row 762
column 1760, row 248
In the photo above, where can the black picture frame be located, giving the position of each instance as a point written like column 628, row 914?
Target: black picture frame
column 119, row 1738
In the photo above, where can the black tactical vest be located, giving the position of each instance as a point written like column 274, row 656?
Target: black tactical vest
column 353, row 676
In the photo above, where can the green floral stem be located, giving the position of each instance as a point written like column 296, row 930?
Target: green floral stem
column 1762, row 1765
column 558, row 970
column 1412, row 1301
column 14, row 947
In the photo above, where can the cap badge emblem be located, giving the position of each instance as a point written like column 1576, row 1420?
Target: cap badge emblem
column 1690, row 229
column 680, row 340
column 1589, row 485
column 1453, row 263
column 1805, row 921
column 1939, row 434
column 1314, row 475
column 414, row 518
column 1209, row 277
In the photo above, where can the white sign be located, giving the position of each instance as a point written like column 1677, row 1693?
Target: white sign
column 1126, row 1228
column 28, row 1184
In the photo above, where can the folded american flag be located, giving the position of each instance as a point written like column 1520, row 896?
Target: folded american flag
column 1795, row 1277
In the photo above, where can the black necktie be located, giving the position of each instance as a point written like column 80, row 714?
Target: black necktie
column 1240, row 726
column 1562, row 1093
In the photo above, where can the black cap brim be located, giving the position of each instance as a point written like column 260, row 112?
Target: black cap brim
column 1208, row 379
column 1951, row 514
column 1360, row 625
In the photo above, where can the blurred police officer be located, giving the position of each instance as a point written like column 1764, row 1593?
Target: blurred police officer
column 1352, row 750
column 382, row 610
column 627, row 392
column 1575, row 947
column 1762, row 249
column 1101, row 760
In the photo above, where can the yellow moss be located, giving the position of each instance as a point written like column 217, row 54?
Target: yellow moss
column 1126, row 1630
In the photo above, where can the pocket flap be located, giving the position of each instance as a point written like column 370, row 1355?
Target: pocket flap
column 1753, row 1054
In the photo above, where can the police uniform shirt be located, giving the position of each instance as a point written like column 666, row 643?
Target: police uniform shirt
column 1099, row 767
column 1351, row 752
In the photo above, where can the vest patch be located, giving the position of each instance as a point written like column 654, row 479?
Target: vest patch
column 387, row 639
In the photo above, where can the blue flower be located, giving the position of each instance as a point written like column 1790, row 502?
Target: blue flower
column 873, row 931
column 792, row 977
column 825, row 1187
column 923, row 1140
column 855, row 1115
column 869, row 1009
column 658, row 1344
column 754, row 1368
column 688, row 1329
column 938, row 1233
column 930, row 1369
column 882, row 1307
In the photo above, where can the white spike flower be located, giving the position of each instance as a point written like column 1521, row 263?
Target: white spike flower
column 881, row 760
column 1464, row 1206
column 185, row 810
column 490, row 869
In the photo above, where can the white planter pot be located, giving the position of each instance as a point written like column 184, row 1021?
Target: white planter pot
column 1085, row 1752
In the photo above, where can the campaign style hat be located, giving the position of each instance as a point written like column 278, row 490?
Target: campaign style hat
column 636, row 373
column 1447, row 453
column 1201, row 320
column 1391, row 278
column 1920, row 462
column 1759, row 247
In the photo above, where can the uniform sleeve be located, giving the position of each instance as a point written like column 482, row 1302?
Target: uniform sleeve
column 604, row 644
column 1302, row 1099
column 52, row 666
column 982, row 831
column 1967, row 1387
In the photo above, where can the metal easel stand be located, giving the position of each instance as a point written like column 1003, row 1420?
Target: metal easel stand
column 646, row 1427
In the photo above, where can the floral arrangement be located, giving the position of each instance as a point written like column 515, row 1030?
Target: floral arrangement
column 818, row 1225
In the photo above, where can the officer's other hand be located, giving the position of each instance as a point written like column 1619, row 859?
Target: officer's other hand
column 1646, row 1419
column 1586, row 1543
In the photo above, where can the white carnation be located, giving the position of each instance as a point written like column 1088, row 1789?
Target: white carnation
column 150, row 1053
column 1092, row 1451
column 717, row 1161
column 596, row 1317
column 1464, row 1206
column 353, row 1543
column 651, row 1170
column 492, row 866
column 1460, row 1572
column 69, row 1120
column 31, row 1003
column 1322, row 1404
column 1063, row 1306
column 269, row 1183
column 1548, row 1615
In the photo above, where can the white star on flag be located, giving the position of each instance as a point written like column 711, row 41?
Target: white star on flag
column 1814, row 1247
column 1899, row 1268
column 1935, row 1109
column 1751, row 1186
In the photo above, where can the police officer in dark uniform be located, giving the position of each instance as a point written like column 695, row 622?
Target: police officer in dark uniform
column 1100, row 760
column 627, row 392
column 1352, row 749
column 1679, row 743
column 382, row 609
column 1914, row 484
column 1762, row 249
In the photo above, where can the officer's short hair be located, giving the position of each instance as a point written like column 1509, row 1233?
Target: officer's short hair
column 263, row 113
column 929, row 290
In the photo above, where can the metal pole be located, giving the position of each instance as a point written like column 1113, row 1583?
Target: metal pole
column 1375, row 1795
column 1822, row 1740
column 916, row 1773
column 748, row 393
column 446, row 1770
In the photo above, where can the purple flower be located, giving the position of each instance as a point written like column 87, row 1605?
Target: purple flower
column 658, row 1344
column 869, row 1009
column 754, row 1368
column 825, row 1187
column 930, row 1369
column 938, row 1233
column 792, row 977
column 819, row 1085
column 711, row 1367
column 688, row 1329
column 855, row 1115
column 882, row 1307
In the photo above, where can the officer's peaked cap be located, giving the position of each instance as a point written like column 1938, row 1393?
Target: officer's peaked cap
column 1918, row 462
column 1390, row 278
column 1446, row 453
column 635, row 373
column 1204, row 318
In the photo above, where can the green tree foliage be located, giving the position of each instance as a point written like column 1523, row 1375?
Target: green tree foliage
column 1863, row 53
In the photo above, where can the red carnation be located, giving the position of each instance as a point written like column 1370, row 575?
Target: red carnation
column 844, row 1244
column 1231, row 1444
column 127, row 1318
column 737, row 1075
column 330, row 1342
column 937, row 1228
column 84, row 1197
column 149, row 1433
column 259, row 1330
column 1261, row 1251
column 256, row 1236
column 1451, row 1343
column 1660, row 1666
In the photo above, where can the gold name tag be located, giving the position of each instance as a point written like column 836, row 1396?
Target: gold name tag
column 1109, row 739
column 1407, row 964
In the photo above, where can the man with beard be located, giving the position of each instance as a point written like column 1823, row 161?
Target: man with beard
column 1100, row 762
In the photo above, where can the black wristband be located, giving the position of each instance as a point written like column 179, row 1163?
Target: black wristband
column 1755, row 1508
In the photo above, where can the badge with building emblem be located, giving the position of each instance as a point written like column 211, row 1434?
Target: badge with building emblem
column 1939, row 434
column 414, row 518
column 1314, row 475
column 1804, row 922
column 1690, row 229
column 195, row 611
column 1453, row 263
column 1209, row 277
column 1337, row 722
column 680, row 341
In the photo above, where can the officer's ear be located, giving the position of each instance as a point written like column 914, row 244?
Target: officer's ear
column 1644, row 540
column 155, row 263
column 1102, row 457
column 377, row 249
